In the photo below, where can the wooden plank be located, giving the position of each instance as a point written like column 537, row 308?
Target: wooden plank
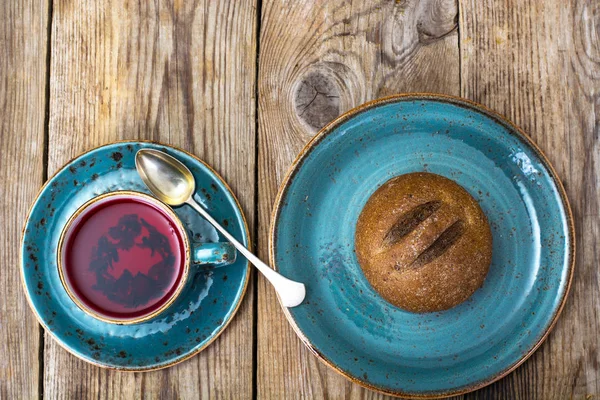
column 182, row 73
column 23, row 81
column 538, row 63
column 318, row 59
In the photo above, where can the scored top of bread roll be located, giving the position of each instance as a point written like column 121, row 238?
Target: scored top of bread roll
column 423, row 242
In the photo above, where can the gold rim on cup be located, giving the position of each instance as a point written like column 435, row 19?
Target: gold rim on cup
column 154, row 201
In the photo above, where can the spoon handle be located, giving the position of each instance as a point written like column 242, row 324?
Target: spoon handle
column 291, row 293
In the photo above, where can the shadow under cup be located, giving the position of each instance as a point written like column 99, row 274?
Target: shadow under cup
column 125, row 256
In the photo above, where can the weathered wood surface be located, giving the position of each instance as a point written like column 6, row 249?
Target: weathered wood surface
column 182, row 73
column 185, row 73
column 317, row 60
column 23, row 50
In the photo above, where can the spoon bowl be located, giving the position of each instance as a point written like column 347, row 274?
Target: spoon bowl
column 167, row 178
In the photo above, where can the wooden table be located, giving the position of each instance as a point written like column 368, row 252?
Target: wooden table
column 244, row 85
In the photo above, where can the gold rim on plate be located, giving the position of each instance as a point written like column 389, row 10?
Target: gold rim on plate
column 454, row 100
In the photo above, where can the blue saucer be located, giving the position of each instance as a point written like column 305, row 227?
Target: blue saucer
column 351, row 327
column 190, row 324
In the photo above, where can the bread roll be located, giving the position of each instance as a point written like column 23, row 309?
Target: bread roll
column 423, row 242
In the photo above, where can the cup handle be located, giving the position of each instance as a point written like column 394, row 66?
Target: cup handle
column 213, row 254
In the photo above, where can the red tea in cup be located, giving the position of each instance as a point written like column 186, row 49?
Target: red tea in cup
column 123, row 257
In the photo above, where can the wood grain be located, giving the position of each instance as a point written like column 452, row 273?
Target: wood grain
column 182, row 73
column 318, row 59
column 23, row 73
column 539, row 64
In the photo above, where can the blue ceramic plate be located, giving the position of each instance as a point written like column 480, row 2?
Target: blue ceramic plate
column 346, row 323
column 190, row 324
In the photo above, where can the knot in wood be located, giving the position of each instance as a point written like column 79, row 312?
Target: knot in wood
column 317, row 99
column 436, row 19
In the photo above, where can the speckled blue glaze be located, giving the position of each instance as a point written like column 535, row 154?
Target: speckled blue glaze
column 196, row 318
column 346, row 323
column 213, row 254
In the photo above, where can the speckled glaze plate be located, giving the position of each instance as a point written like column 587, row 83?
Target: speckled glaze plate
column 346, row 323
column 190, row 324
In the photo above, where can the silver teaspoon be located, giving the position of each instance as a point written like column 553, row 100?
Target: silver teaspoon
column 173, row 183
